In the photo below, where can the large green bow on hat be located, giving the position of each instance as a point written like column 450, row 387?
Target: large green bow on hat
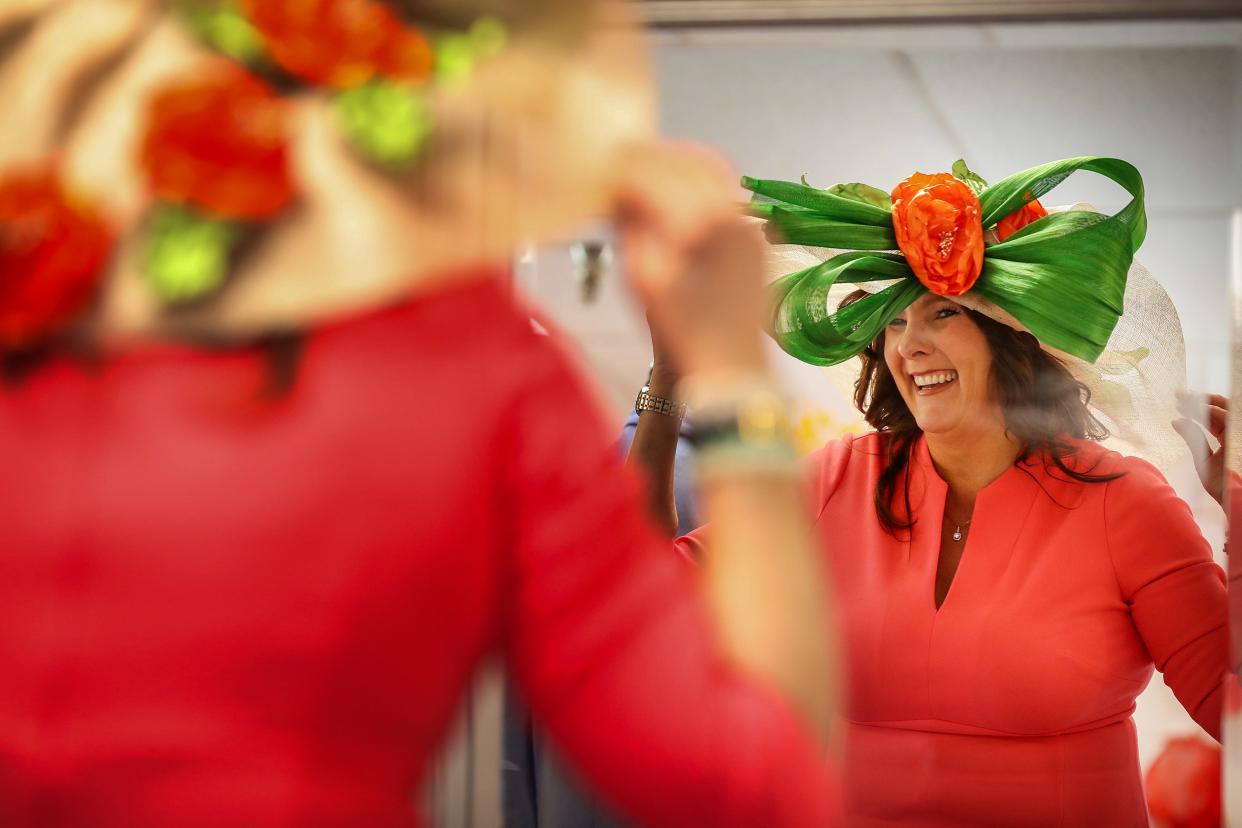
column 1063, row 276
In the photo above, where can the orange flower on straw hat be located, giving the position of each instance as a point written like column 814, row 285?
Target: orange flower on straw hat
column 1015, row 221
column 937, row 222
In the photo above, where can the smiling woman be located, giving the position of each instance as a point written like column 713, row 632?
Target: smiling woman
column 1008, row 585
column 942, row 369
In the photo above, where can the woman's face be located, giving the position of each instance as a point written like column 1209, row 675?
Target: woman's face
column 942, row 365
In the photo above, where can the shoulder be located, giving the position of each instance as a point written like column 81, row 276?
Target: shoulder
column 851, row 456
column 471, row 347
column 1149, row 530
column 1131, row 476
column 477, row 326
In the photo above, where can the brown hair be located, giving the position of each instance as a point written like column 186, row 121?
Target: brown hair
column 1042, row 403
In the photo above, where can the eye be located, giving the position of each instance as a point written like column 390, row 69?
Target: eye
column 897, row 323
column 946, row 312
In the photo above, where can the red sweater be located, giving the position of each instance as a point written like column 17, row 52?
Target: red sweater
column 220, row 612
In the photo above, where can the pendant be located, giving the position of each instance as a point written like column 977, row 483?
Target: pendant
column 957, row 534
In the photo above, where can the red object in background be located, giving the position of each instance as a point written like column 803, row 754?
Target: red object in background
column 1015, row 221
column 218, row 141
column 52, row 255
column 1183, row 784
column 341, row 43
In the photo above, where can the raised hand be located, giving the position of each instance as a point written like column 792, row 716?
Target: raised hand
column 1210, row 412
column 695, row 262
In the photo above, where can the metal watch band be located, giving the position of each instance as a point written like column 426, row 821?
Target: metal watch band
column 661, row 405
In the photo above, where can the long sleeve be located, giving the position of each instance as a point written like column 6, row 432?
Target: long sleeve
column 823, row 471
column 1176, row 593
column 611, row 642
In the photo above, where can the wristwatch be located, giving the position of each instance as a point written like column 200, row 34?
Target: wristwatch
column 647, row 401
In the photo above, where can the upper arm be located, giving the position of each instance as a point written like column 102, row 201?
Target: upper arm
column 1175, row 591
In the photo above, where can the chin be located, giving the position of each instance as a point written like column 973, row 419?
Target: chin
column 936, row 424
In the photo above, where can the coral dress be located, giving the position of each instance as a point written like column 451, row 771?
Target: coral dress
column 216, row 611
column 1011, row 704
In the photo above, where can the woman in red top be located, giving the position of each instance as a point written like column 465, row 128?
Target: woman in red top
column 248, row 574
column 1006, row 585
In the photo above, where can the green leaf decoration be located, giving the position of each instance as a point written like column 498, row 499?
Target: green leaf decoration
column 864, row 193
column 808, row 329
column 223, row 27
column 799, row 226
column 962, row 173
column 1063, row 277
column 387, row 123
column 823, row 203
column 188, row 253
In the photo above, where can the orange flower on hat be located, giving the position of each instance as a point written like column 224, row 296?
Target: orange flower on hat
column 52, row 255
column 1024, row 215
column 937, row 222
column 218, row 142
column 341, row 43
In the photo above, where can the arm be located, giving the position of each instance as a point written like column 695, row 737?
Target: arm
column 698, row 267
column 1175, row 592
column 671, row 688
column 653, row 451
column 615, row 645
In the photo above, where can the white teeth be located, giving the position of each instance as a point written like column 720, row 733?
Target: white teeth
column 936, row 378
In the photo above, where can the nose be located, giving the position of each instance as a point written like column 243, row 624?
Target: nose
column 913, row 341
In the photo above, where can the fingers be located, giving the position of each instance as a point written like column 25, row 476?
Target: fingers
column 1192, row 433
column 1218, row 422
column 670, row 198
column 37, row 83
column 1209, row 410
column 681, row 189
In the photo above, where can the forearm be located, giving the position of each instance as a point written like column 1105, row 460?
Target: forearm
column 764, row 574
column 653, row 453
column 767, row 589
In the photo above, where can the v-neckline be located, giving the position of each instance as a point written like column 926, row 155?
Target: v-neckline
column 999, row 535
column 957, row 569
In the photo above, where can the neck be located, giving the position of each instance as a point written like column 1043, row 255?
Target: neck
column 969, row 462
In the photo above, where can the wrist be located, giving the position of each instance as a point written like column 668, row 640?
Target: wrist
column 742, row 425
column 664, row 380
column 738, row 359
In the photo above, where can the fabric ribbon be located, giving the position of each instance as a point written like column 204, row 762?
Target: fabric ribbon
column 1063, row 277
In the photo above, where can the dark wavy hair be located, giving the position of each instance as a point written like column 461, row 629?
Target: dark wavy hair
column 1042, row 404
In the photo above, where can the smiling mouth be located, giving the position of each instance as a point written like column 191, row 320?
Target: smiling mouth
column 933, row 382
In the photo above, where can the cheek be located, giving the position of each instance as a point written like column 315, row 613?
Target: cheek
column 980, row 362
column 893, row 360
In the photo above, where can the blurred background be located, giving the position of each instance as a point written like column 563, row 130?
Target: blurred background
column 872, row 91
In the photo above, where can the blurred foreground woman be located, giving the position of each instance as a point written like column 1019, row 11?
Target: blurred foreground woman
column 286, row 460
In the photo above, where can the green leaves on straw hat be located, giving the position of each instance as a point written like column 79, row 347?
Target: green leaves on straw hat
column 1062, row 276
